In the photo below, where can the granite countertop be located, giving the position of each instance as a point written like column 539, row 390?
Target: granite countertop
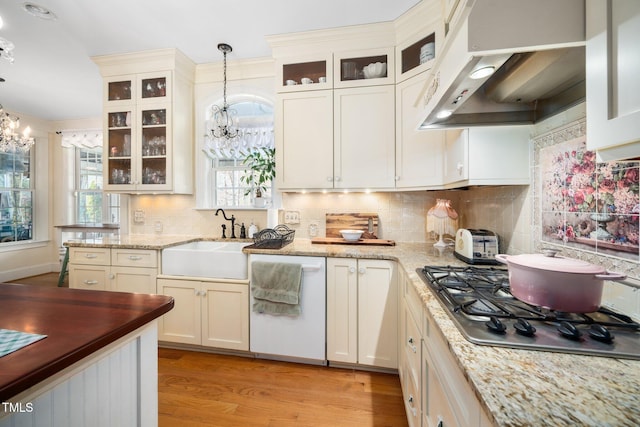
column 515, row 387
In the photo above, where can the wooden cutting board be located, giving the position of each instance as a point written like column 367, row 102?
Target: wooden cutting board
column 341, row 241
column 349, row 221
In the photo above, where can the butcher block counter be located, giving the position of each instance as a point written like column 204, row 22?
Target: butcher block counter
column 515, row 387
column 79, row 325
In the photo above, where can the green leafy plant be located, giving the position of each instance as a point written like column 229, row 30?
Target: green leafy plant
column 262, row 170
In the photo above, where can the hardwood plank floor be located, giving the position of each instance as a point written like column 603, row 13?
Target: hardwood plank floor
column 204, row 389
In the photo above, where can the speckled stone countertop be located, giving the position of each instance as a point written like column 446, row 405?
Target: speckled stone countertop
column 515, row 387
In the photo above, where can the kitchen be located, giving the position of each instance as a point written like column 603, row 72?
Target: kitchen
column 511, row 211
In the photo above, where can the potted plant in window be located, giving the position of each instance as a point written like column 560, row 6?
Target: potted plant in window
column 262, row 170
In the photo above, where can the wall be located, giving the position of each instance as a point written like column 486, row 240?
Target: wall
column 569, row 126
column 19, row 259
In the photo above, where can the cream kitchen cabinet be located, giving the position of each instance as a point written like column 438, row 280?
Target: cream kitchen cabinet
column 342, row 139
column 497, row 155
column 613, row 87
column 290, row 73
column 148, row 121
column 364, row 138
column 362, row 312
column 447, row 398
column 206, row 313
column 419, row 153
column 348, row 67
column 123, row 270
column 304, row 140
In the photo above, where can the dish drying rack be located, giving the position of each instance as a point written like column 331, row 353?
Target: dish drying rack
column 273, row 238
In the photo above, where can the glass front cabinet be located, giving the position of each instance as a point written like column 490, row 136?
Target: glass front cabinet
column 148, row 122
column 138, row 138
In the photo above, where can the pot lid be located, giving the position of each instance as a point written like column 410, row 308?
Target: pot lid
column 555, row 263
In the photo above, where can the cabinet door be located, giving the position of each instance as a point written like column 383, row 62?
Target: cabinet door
column 93, row 277
column 119, row 145
column 342, row 310
column 456, row 164
column 304, row 140
column 613, row 87
column 419, row 153
column 436, row 408
column 225, row 315
column 364, row 137
column 364, row 68
column 153, row 165
column 132, row 279
column 183, row 323
column 377, row 313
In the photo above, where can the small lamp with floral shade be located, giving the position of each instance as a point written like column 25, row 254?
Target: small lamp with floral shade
column 442, row 219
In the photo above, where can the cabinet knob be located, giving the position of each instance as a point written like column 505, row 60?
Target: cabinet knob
column 112, row 276
column 459, row 167
column 397, row 177
column 362, row 270
column 352, row 269
column 330, row 178
column 338, row 179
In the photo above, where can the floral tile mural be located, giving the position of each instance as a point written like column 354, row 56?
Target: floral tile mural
column 588, row 205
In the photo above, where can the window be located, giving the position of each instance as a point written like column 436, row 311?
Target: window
column 16, row 196
column 92, row 204
column 254, row 120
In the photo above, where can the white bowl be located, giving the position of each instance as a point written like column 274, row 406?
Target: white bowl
column 375, row 70
column 351, row 235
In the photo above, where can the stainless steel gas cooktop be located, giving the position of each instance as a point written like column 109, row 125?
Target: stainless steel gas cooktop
column 479, row 302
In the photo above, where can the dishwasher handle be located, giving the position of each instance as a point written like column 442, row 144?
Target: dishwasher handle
column 311, row 267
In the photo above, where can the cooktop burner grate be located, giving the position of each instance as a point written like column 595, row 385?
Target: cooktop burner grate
column 480, row 303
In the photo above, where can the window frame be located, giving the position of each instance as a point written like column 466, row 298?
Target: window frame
column 110, row 202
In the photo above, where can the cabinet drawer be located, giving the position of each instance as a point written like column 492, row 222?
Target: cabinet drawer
column 88, row 277
column 412, row 401
column 413, row 302
column 412, row 346
column 134, row 257
column 93, row 256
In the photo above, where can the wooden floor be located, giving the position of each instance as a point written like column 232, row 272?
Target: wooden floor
column 203, row 389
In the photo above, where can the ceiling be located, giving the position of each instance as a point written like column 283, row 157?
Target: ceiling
column 53, row 77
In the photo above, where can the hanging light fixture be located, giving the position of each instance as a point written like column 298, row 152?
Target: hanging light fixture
column 224, row 118
column 10, row 140
column 6, row 50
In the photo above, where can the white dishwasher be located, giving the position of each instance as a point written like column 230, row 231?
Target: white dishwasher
column 301, row 338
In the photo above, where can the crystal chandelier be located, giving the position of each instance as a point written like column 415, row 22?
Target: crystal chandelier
column 6, row 50
column 223, row 120
column 10, row 140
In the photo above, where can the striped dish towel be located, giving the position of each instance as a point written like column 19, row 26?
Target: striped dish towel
column 11, row 341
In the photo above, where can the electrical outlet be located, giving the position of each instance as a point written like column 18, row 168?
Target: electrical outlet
column 138, row 216
column 291, row 217
column 313, row 228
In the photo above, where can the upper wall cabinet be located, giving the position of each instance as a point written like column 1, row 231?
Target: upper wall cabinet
column 304, row 73
column 613, row 86
column 148, row 122
column 420, row 37
column 496, row 155
column 363, row 68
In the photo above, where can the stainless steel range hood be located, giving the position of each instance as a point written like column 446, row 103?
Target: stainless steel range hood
column 537, row 52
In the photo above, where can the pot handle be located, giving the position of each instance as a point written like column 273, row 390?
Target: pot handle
column 611, row 276
column 501, row 258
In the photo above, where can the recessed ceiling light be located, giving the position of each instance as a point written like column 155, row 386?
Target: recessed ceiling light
column 482, row 72
column 39, row 11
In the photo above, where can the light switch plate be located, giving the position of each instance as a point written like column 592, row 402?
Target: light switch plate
column 292, row 217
